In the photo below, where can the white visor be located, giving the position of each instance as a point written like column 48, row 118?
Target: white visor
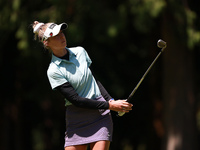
column 53, row 29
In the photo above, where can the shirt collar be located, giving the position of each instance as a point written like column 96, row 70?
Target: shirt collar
column 58, row 60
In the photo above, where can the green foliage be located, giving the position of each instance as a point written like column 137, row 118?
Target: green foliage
column 120, row 37
column 144, row 12
column 192, row 31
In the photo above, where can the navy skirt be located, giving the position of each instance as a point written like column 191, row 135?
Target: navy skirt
column 85, row 126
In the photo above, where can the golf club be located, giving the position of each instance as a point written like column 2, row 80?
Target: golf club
column 161, row 44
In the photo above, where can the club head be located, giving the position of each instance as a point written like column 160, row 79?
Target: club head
column 161, row 44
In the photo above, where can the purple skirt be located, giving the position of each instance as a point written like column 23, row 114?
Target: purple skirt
column 85, row 126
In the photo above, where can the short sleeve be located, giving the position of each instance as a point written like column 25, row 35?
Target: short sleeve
column 55, row 77
column 89, row 61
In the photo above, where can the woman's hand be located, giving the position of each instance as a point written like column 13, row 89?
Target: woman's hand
column 120, row 105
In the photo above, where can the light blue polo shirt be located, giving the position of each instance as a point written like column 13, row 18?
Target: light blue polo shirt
column 76, row 71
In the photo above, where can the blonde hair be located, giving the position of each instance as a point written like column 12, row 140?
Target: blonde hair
column 39, row 29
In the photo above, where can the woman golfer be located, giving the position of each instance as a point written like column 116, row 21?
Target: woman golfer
column 88, row 104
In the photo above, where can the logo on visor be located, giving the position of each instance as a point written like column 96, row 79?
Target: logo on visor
column 52, row 26
column 51, row 34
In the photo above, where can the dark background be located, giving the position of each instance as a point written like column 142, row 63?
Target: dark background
column 121, row 38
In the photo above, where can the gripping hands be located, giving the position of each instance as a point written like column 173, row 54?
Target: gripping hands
column 120, row 106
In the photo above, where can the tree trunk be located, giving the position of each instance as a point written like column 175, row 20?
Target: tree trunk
column 178, row 91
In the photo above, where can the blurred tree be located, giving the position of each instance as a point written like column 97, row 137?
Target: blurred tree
column 120, row 37
column 179, row 30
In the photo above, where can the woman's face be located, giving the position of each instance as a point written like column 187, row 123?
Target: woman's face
column 57, row 42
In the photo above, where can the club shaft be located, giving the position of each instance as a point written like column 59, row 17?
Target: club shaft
column 135, row 89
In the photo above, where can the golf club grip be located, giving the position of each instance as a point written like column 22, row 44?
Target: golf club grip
column 120, row 113
column 135, row 89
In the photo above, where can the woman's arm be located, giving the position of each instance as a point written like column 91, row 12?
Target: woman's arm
column 70, row 94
